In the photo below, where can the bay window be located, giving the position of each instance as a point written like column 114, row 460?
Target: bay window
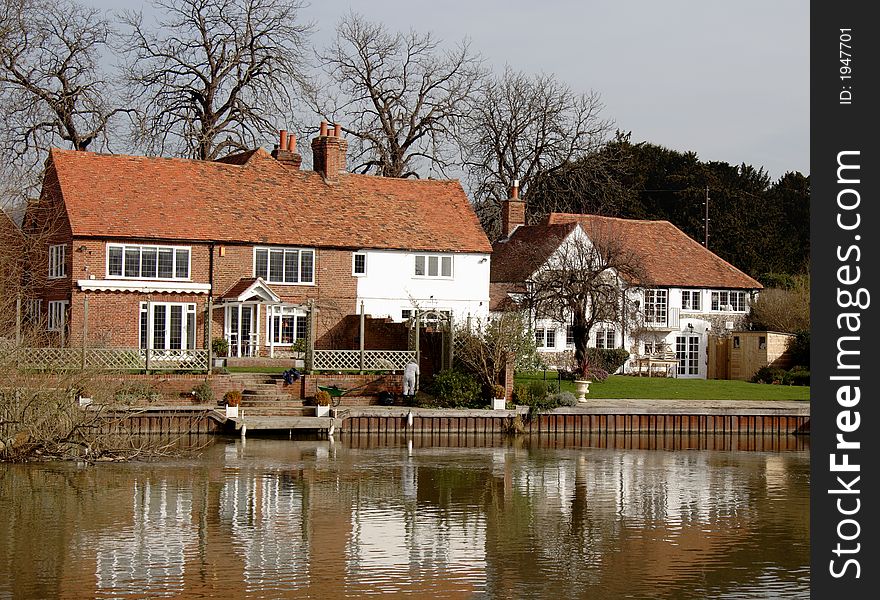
column 656, row 303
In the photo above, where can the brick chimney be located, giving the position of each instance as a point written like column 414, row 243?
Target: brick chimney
column 513, row 211
column 285, row 152
column 328, row 152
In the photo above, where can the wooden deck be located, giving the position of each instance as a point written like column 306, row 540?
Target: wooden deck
column 283, row 423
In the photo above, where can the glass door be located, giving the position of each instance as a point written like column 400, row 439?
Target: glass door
column 241, row 329
column 687, row 350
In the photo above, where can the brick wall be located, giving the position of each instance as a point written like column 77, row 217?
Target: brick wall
column 114, row 316
column 175, row 389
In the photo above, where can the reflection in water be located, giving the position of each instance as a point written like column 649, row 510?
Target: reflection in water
column 352, row 518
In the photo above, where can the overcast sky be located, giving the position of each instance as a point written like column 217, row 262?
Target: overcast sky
column 727, row 80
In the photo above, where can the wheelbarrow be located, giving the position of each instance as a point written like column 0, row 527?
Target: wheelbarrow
column 336, row 392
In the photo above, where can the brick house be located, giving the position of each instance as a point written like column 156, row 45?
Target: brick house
column 149, row 241
column 11, row 254
column 687, row 292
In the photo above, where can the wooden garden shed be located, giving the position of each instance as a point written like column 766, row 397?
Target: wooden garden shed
column 740, row 354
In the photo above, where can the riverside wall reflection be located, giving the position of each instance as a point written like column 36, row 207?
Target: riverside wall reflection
column 527, row 517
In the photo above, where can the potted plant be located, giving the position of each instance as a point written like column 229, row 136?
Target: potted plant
column 322, row 403
column 499, row 400
column 219, row 348
column 582, row 377
column 232, row 399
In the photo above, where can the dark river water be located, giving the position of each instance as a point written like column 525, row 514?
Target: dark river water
column 503, row 518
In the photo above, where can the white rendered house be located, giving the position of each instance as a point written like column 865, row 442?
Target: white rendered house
column 687, row 291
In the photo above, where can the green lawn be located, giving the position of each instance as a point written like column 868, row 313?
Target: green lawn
column 624, row 386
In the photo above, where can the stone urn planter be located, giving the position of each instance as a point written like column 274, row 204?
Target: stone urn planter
column 582, row 386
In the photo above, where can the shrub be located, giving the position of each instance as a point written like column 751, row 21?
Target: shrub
column 606, row 360
column 537, row 391
column 799, row 349
column 768, row 374
column 563, row 399
column 498, row 391
column 137, row 393
column 219, row 347
column 299, row 345
column 322, row 398
column 453, row 388
column 232, row 398
column 797, row 376
column 204, row 393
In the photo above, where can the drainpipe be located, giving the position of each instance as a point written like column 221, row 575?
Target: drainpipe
column 210, row 306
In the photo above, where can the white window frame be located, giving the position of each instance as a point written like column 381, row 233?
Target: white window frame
column 657, row 306
column 692, row 300
column 427, row 259
column 354, row 270
column 722, row 299
column 57, row 261
column 33, row 311
column 547, row 334
column 285, row 251
column 57, row 316
column 275, row 316
column 603, row 336
column 188, row 339
column 141, row 248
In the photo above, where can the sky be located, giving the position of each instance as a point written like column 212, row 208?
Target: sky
column 727, row 80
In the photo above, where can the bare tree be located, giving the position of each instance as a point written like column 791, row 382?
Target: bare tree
column 485, row 348
column 52, row 88
column 215, row 75
column 521, row 126
column 401, row 96
column 589, row 280
column 781, row 309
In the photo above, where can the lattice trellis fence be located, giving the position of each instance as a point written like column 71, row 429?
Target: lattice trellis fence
column 373, row 360
column 106, row 359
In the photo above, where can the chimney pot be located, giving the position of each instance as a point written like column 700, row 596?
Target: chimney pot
column 291, row 143
column 337, row 130
column 515, row 191
column 323, row 129
column 282, row 141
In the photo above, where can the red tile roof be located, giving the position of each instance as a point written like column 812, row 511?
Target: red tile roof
column 669, row 257
column 261, row 201
column 516, row 258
